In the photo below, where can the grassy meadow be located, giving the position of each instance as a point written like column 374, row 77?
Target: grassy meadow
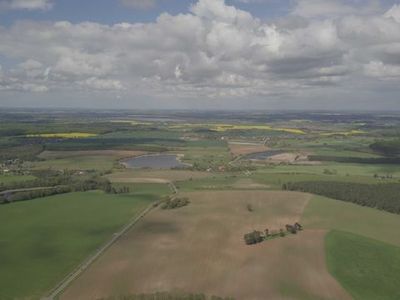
column 367, row 268
column 6, row 179
column 325, row 213
column 44, row 239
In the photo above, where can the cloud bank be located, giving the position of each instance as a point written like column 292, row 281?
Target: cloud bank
column 213, row 51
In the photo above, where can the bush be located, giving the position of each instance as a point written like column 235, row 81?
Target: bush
column 172, row 203
column 253, row 237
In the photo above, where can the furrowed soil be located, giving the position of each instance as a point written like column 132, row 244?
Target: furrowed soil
column 200, row 248
column 243, row 149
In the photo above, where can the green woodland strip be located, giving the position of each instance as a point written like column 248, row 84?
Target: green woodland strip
column 381, row 196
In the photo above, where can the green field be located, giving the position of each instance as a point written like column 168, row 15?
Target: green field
column 6, row 179
column 43, row 239
column 366, row 268
column 95, row 162
column 145, row 188
column 325, row 213
column 342, row 169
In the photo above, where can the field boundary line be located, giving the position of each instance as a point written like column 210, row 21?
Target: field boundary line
column 31, row 189
column 61, row 286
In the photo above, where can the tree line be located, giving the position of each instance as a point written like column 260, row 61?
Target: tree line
column 383, row 196
column 356, row 160
column 74, row 185
column 388, row 147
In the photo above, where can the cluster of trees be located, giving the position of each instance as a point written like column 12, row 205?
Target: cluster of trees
column 29, row 195
column 112, row 190
column 167, row 296
column 257, row 236
column 384, row 196
column 356, row 160
column 73, row 185
column 253, row 237
column 172, row 203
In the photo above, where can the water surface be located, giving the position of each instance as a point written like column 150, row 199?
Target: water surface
column 154, row 161
column 263, row 155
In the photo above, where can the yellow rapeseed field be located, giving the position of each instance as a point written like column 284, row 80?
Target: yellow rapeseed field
column 346, row 133
column 225, row 127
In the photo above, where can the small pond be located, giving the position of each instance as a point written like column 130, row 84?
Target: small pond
column 154, row 161
column 263, row 155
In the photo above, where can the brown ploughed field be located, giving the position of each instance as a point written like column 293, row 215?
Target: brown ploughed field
column 199, row 248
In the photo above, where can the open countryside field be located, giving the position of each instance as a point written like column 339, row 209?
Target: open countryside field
column 200, row 248
column 5, row 179
column 325, row 213
column 82, row 160
column 246, row 148
column 170, row 175
column 99, row 162
column 69, row 154
column 367, row 268
column 42, row 240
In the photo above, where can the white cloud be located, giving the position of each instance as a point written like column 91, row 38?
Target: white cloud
column 26, row 4
column 101, row 84
column 394, row 13
column 215, row 50
column 379, row 70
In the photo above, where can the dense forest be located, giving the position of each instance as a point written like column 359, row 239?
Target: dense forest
column 356, row 160
column 390, row 148
column 381, row 196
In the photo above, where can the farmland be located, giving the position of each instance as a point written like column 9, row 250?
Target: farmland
column 237, row 173
column 166, row 239
column 46, row 238
column 355, row 261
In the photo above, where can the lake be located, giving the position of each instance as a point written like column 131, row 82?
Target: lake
column 154, row 161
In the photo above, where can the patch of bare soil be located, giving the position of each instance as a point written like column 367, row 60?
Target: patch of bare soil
column 247, row 183
column 244, row 149
column 200, row 248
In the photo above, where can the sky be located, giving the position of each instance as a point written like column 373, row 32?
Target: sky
column 201, row 54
